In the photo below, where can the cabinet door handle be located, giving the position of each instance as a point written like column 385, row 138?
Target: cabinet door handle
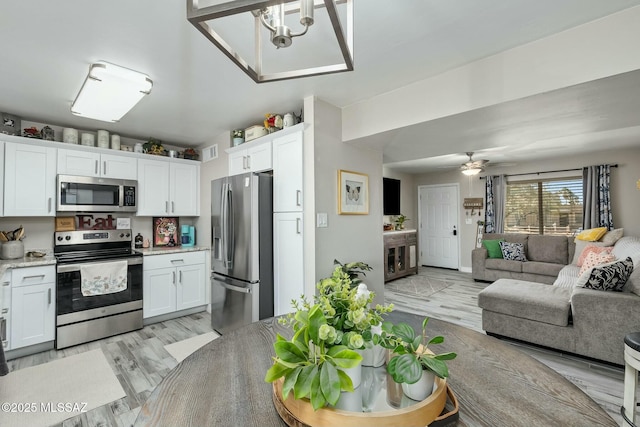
column 244, row 162
column 49, row 296
column 104, row 166
column 33, row 277
column 177, row 260
column 298, row 196
column 49, row 205
column 180, row 277
column 3, row 331
column 6, row 283
column 173, row 207
column 298, row 226
column 5, row 310
column 174, row 277
column 248, row 162
column 166, row 206
column 96, row 172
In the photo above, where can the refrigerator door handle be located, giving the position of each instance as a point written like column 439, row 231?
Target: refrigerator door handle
column 235, row 288
column 227, row 226
column 223, row 222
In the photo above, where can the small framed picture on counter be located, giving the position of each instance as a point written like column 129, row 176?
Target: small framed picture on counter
column 165, row 231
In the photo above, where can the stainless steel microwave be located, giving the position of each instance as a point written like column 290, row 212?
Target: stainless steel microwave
column 89, row 194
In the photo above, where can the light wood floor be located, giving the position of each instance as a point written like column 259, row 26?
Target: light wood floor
column 140, row 361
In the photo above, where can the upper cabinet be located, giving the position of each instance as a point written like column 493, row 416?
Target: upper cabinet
column 88, row 163
column 287, row 173
column 251, row 158
column 168, row 188
column 30, row 180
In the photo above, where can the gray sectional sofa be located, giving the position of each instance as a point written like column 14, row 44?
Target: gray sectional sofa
column 524, row 303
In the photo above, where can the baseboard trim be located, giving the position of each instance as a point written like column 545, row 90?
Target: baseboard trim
column 465, row 269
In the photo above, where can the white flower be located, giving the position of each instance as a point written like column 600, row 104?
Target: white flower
column 362, row 294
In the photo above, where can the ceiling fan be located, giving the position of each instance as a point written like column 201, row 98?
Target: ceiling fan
column 473, row 167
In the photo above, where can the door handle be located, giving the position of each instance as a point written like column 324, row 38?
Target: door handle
column 104, row 172
column 455, row 232
column 180, row 277
column 49, row 205
column 248, row 162
column 33, row 277
column 49, row 296
column 166, row 206
column 235, row 288
column 298, row 226
column 244, row 162
column 173, row 207
column 174, row 277
column 298, row 194
column 96, row 168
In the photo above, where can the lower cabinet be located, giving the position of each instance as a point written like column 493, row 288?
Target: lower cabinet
column 400, row 255
column 173, row 282
column 33, row 312
column 288, row 261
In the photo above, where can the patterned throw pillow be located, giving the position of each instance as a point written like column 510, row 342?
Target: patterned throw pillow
column 513, row 251
column 607, row 277
column 594, row 259
column 591, row 248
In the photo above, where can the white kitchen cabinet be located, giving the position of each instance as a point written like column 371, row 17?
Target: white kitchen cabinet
column 33, row 299
column 5, row 311
column 288, row 272
column 287, row 173
column 167, row 188
column 250, row 158
column 30, row 180
column 1, row 178
column 88, row 163
column 173, row 282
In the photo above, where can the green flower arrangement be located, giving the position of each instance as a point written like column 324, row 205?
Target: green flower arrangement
column 326, row 335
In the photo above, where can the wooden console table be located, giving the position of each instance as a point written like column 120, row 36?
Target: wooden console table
column 400, row 254
column 222, row 384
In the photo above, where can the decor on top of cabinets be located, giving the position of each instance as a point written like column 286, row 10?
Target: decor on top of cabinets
column 237, row 137
column 10, row 124
column 154, row 146
column 165, row 231
column 273, row 122
column 353, row 193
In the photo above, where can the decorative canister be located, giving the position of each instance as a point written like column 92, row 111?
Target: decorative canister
column 70, row 135
column 47, row 134
column 288, row 120
column 115, row 142
column 12, row 249
column 88, row 139
column 103, row 139
column 138, row 148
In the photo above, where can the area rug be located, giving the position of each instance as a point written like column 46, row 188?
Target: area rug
column 48, row 394
column 181, row 349
column 417, row 286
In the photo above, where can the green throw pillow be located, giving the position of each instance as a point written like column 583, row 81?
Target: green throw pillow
column 493, row 248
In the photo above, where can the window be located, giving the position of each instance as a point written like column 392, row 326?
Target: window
column 551, row 206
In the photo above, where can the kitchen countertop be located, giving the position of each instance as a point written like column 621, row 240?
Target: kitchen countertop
column 23, row 262
column 170, row 250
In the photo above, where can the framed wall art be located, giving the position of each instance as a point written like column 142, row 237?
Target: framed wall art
column 165, row 231
column 353, row 193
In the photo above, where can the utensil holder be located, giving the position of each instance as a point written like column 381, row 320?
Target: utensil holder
column 12, row 249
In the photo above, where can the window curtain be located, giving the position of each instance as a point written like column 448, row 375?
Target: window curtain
column 597, row 197
column 495, row 196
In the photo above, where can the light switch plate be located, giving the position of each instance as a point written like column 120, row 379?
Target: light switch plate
column 468, row 221
column 321, row 220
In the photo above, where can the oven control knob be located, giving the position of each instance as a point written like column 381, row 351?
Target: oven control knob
column 121, row 235
column 59, row 238
column 128, row 235
column 67, row 238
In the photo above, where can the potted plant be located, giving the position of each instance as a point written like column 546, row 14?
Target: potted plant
column 237, row 136
column 400, row 219
column 412, row 361
column 321, row 359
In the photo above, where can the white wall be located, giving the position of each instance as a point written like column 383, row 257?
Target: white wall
column 598, row 49
column 348, row 237
column 625, row 196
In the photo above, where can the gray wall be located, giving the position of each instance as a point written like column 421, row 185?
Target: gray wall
column 348, row 237
column 625, row 196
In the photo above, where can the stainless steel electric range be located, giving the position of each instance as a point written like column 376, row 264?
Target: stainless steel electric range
column 82, row 316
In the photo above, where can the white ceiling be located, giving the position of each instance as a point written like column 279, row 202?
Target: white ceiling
column 199, row 94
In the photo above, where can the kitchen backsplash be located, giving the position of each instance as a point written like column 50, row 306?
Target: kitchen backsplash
column 39, row 230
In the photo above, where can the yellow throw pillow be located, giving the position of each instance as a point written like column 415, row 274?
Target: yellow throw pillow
column 592, row 234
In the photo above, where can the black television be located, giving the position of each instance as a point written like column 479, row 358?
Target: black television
column 390, row 196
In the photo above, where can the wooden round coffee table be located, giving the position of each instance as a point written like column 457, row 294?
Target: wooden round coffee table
column 497, row 385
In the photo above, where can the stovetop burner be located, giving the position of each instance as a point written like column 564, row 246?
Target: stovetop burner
column 90, row 245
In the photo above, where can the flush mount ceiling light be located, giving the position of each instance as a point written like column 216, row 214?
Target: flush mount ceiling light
column 270, row 14
column 473, row 167
column 110, row 91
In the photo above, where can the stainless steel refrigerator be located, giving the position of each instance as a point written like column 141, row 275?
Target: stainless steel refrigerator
column 241, row 250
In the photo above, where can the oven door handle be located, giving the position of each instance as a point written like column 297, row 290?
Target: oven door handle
column 67, row 268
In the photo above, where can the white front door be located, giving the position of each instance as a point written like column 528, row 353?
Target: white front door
column 438, row 210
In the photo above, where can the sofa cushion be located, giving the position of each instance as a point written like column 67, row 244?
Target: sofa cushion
column 612, row 236
column 541, row 268
column 595, row 259
column 493, row 248
column 592, row 234
column 527, row 300
column 579, row 247
column 547, row 249
column 567, row 276
column 628, row 246
column 513, row 251
column 589, row 249
column 633, row 284
column 503, row 264
column 607, row 277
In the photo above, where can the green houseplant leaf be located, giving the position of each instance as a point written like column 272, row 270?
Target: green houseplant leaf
column 330, row 383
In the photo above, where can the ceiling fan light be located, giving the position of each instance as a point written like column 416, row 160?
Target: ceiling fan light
column 471, row 171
